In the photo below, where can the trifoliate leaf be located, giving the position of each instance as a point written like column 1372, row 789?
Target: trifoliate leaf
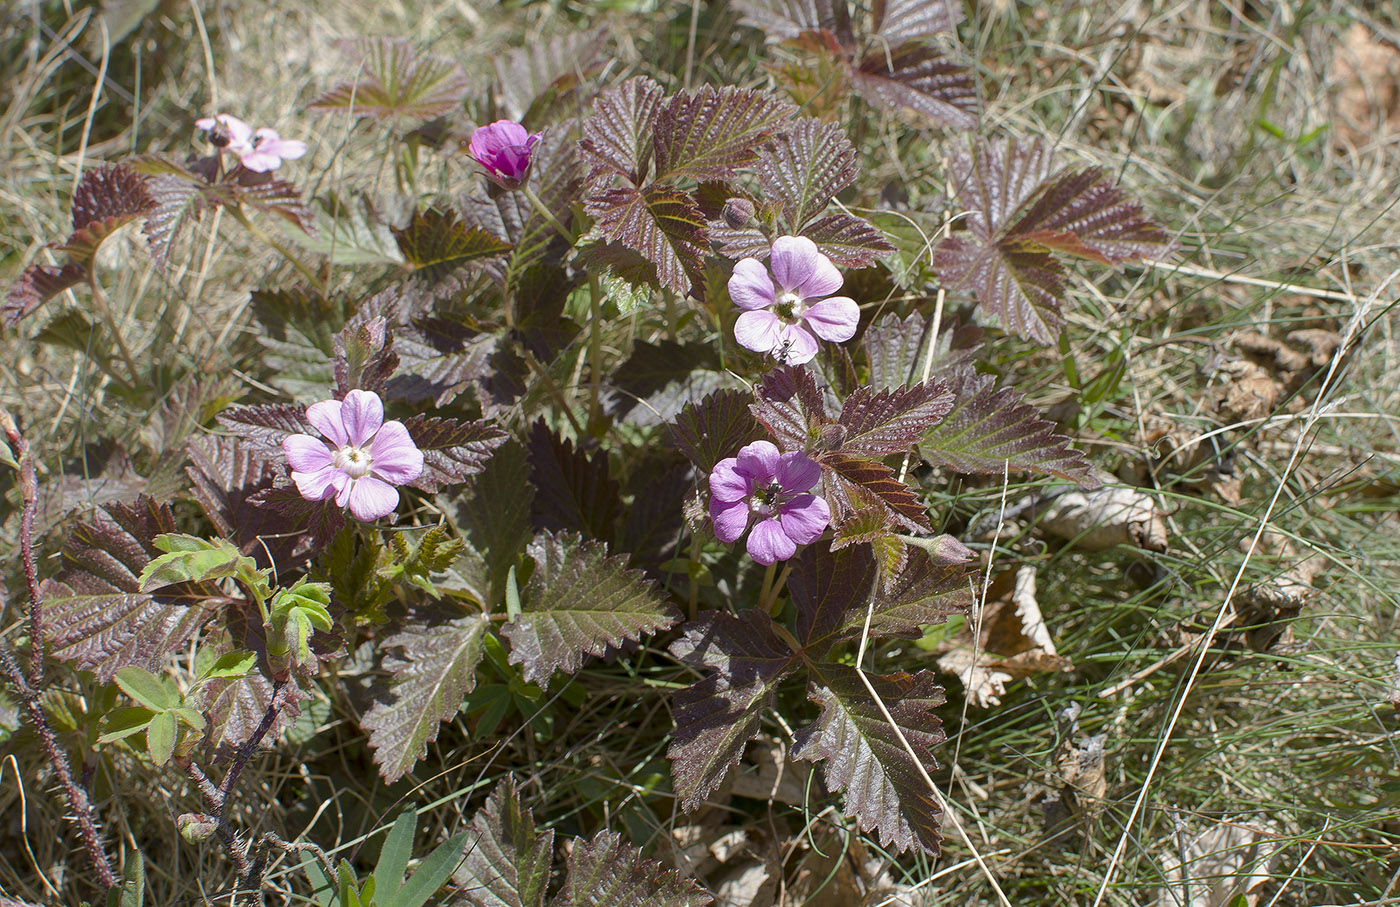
column 708, row 133
column 830, row 589
column 803, row 169
column 436, row 242
column 397, row 84
column 882, row 422
column 918, row 77
column 661, row 223
column 452, row 449
column 617, row 136
column 715, row 428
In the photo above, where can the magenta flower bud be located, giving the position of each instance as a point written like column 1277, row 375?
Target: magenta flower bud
column 361, row 459
column 768, row 489
column 504, row 149
column 783, row 310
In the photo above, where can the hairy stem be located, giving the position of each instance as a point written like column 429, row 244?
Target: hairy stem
column 31, row 687
column 547, row 214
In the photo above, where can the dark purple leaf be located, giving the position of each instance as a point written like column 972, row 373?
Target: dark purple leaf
column 439, row 359
column 452, row 449
column 580, row 602
column 105, row 193
column 739, row 242
column 882, row 422
column 709, row 133
column 829, row 589
column 863, row 755
column 715, row 428
column 663, row 224
column 1022, row 286
column 95, row 615
column 617, row 137
column 898, row 21
column 236, row 707
column 430, row 679
column 175, row 200
column 279, row 198
column 785, row 18
column 898, row 352
column 849, row 241
column 652, row 525
column 266, row 427
column 653, row 367
column 397, row 84
column 805, row 167
column 545, row 73
column 853, row 483
column 435, row 243
column 1082, row 213
column 925, row 593
column 607, row 871
column 920, row 78
column 36, row 286
column 989, row 427
column 507, row 863
column 573, row 489
column 791, row 407
column 717, row 716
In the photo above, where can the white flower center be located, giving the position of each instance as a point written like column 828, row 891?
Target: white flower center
column 353, row 461
column 789, row 306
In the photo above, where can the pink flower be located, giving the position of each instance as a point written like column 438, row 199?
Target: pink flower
column 504, row 149
column 782, row 312
column 363, row 461
column 260, row 151
column 770, row 487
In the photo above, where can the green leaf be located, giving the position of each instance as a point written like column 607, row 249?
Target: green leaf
column 394, row 855
column 349, row 231
column 132, row 891
column 432, row 871
column 862, row 754
column 160, row 737
column 509, row 862
column 147, row 689
column 436, row 670
column 124, row 722
column 230, row 665
column 191, row 559
column 580, row 602
column 323, row 889
column 495, row 516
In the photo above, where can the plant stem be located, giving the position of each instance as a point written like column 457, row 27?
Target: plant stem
column 100, row 300
column 595, row 350
column 296, row 262
column 30, row 688
column 547, row 214
column 771, row 604
column 763, row 590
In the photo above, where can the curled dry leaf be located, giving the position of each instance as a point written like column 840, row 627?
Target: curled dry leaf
column 1105, row 517
column 1366, row 73
column 767, row 774
column 1217, row 867
column 1079, row 770
column 1014, row 641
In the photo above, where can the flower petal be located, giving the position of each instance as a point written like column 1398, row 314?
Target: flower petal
column 758, row 462
column 325, row 418
column 238, row 130
column 726, row 484
column 834, row 319
column 805, row 518
column 796, row 472
column 795, row 346
column 396, row 459
column 306, row 454
column 318, row 485
column 824, row 279
column 758, row 330
column 363, row 414
column 794, row 261
column 768, row 544
column 260, row 161
column 730, row 519
column 343, row 483
column 750, row 287
column 371, row 499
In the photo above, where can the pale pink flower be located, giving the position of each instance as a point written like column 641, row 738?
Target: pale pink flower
column 361, row 460
column 260, row 150
column 769, row 489
column 504, row 149
column 783, row 310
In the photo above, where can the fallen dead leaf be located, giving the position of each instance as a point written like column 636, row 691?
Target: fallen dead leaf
column 1014, row 641
column 1105, row 517
column 1080, row 779
column 1229, row 859
column 1365, row 72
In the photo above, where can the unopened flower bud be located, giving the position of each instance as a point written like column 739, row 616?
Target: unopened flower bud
column 738, row 212
column 196, row 827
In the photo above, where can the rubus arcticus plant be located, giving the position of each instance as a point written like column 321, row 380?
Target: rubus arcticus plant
column 533, row 505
